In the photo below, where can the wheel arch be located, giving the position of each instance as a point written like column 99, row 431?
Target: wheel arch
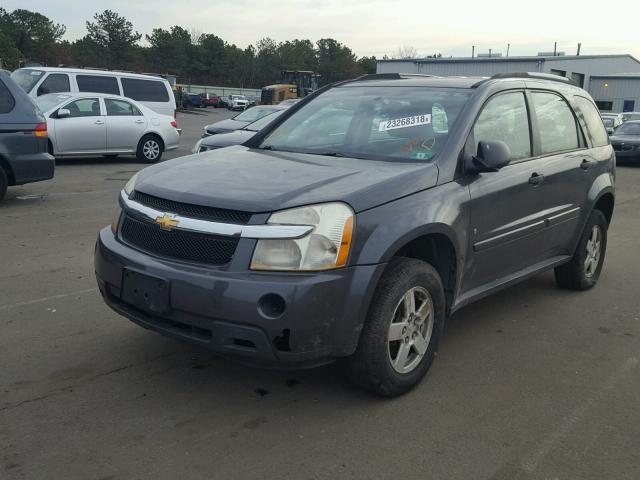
column 605, row 203
column 6, row 166
column 436, row 245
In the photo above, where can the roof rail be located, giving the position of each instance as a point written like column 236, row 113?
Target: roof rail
column 532, row 75
column 388, row 76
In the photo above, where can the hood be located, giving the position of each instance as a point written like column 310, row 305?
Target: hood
column 237, row 137
column 240, row 178
column 225, row 126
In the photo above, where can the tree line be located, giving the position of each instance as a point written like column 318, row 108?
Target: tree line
column 112, row 42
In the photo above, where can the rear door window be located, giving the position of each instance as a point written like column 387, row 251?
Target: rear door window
column 98, row 84
column 144, row 90
column 7, row 102
column 54, row 83
column 556, row 124
column 504, row 118
column 120, row 108
column 595, row 130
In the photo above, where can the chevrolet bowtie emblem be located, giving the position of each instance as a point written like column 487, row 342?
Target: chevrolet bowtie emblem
column 167, row 222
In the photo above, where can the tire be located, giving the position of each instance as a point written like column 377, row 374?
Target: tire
column 4, row 183
column 583, row 270
column 150, row 149
column 379, row 365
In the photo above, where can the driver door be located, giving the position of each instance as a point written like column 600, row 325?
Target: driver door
column 84, row 131
column 507, row 206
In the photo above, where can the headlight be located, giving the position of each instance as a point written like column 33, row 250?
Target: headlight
column 131, row 184
column 196, row 147
column 326, row 247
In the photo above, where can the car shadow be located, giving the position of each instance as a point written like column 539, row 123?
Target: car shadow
column 214, row 374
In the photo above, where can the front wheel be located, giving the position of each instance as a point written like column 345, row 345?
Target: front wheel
column 583, row 270
column 401, row 334
column 150, row 149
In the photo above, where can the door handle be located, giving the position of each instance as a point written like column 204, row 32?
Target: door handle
column 139, row 121
column 99, row 122
column 586, row 164
column 536, row 179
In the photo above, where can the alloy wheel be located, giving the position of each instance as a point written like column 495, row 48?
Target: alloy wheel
column 594, row 248
column 151, row 149
column 410, row 330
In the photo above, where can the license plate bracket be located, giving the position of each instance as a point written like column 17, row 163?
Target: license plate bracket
column 145, row 292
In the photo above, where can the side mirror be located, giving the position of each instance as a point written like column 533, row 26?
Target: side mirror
column 491, row 156
column 63, row 113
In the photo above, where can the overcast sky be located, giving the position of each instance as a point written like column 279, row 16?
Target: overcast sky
column 378, row 27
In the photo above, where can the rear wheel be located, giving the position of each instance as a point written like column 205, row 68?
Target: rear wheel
column 583, row 271
column 150, row 149
column 4, row 183
column 400, row 337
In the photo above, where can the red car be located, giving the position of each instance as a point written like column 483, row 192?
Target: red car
column 212, row 100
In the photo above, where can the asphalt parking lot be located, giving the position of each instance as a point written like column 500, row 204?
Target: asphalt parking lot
column 531, row 383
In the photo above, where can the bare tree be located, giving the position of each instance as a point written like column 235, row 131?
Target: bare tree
column 405, row 51
column 195, row 35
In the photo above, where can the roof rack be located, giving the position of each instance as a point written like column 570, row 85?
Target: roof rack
column 532, row 75
column 388, row 76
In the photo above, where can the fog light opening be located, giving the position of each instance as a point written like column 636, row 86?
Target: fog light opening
column 271, row 305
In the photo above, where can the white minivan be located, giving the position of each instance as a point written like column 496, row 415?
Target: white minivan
column 153, row 92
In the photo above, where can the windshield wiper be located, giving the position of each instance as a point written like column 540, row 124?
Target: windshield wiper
column 330, row 154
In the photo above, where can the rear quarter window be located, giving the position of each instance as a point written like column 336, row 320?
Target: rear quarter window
column 588, row 113
column 7, row 102
column 98, row 84
column 144, row 90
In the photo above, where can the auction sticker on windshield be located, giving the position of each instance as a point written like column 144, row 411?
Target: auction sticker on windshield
column 404, row 122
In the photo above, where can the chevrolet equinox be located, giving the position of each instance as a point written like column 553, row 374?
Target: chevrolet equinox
column 355, row 223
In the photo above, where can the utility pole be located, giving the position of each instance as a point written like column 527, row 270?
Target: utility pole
column 508, row 47
column 473, row 51
column 489, row 53
column 555, row 48
column 578, row 52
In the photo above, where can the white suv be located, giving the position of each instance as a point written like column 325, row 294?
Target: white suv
column 238, row 102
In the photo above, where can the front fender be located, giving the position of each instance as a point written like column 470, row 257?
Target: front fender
column 384, row 230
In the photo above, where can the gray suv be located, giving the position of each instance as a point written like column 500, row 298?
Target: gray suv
column 362, row 217
column 24, row 144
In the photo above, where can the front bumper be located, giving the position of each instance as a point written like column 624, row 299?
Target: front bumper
column 220, row 309
column 33, row 167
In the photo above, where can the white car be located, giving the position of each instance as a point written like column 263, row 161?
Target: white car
column 238, row 102
column 83, row 124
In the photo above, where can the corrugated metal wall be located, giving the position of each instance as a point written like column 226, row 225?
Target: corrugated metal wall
column 617, row 91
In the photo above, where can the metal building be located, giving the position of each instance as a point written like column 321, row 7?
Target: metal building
column 612, row 80
column 616, row 93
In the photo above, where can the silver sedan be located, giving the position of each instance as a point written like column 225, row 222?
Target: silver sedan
column 98, row 124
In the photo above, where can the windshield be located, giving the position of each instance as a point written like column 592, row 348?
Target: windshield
column 264, row 121
column 47, row 102
column 27, row 78
column 628, row 129
column 391, row 123
column 254, row 114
